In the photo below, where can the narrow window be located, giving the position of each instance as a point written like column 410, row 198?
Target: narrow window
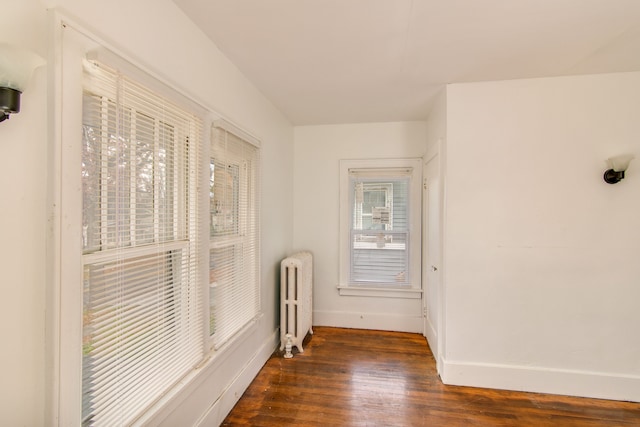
column 234, row 261
column 380, row 226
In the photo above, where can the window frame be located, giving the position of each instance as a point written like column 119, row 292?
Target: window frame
column 65, row 239
column 383, row 168
column 142, row 314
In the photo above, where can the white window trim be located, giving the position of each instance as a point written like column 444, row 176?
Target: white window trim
column 237, row 131
column 414, row 289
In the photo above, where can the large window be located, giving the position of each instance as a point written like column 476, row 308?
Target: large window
column 234, row 261
column 154, row 245
column 142, row 305
column 380, row 226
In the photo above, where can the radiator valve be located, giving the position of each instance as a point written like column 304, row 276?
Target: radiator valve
column 287, row 348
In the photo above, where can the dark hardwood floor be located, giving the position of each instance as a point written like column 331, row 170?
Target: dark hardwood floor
column 349, row 377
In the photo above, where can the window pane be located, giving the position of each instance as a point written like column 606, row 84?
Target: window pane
column 234, row 298
column 129, row 189
column 145, row 162
column 224, row 284
column 225, row 198
column 380, row 258
column 379, row 237
column 106, row 172
column 91, row 168
column 373, row 208
column 130, row 323
column 166, row 181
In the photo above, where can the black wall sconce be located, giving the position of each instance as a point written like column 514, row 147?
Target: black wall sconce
column 617, row 166
column 16, row 67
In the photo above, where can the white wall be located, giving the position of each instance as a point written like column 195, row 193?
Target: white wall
column 23, row 145
column 437, row 125
column 168, row 44
column 318, row 150
column 542, row 273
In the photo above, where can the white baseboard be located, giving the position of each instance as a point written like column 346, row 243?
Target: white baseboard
column 227, row 400
column 432, row 337
column 383, row 322
column 542, row 380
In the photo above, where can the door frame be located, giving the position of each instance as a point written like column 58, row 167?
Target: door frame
column 433, row 193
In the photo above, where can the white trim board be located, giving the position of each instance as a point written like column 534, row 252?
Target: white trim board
column 596, row 385
column 432, row 337
column 218, row 411
column 374, row 321
column 204, row 399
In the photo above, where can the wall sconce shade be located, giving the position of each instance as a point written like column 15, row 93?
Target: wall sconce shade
column 9, row 102
column 617, row 167
column 16, row 67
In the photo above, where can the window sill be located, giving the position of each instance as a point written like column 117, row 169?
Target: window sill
column 384, row 292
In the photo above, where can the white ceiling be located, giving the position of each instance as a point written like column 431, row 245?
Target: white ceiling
column 348, row 61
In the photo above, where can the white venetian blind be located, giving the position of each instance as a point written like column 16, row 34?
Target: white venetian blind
column 142, row 308
column 379, row 230
column 234, row 256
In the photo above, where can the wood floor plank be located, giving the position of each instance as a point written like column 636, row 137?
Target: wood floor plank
column 350, row 377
